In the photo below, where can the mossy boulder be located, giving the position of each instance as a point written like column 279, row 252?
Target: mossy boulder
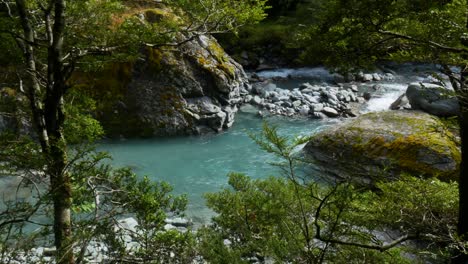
column 383, row 145
column 160, row 93
column 171, row 89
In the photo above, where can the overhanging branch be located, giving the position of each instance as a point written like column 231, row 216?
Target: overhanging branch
column 427, row 42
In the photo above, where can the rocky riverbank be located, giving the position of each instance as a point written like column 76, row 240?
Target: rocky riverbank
column 97, row 251
column 342, row 97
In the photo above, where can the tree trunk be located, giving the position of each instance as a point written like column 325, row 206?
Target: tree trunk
column 48, row 117
column 60, row 182
column 61, row 193
column 463, row 181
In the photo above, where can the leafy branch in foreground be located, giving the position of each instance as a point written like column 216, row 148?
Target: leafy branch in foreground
column 295, row 219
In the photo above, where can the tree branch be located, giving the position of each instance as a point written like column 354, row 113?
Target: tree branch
column 428, row 42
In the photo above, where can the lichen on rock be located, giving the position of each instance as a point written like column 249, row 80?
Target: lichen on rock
column 383, row 145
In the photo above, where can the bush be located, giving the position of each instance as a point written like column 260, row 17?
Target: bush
column 296, row 220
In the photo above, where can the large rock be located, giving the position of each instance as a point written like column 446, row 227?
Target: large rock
column 188, row 90
column 433, row 99
column 382, row 145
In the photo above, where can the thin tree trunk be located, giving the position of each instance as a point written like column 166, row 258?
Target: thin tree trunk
column 60, row 181
column 463, row 181
column 462, row 258
column 49, row 120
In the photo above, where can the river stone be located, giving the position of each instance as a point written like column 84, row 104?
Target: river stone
column 296, row 95
column 178, row 222
column 290, row 111
column 330, row 112
column 265, row 90
column 330, row 95
column 352, row 87
column 376, row 77
column 382, row 145
column 367, row 77
column 304, row 110
column 389, row 76
column 248, row 108
column 257, row 100
column 432, row 99
column 400, row 103
column 377, row 87
column 305, row 86
column 296, row 103
column 319, row 115
column 317, row 107
column 287, row 104
column 367, row 96
column 332, row 102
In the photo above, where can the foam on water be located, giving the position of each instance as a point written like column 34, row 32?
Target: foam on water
column 317, row 72
column 382, row 102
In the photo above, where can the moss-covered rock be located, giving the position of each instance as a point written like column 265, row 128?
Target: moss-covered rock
column 157, row 96
column 382, row 145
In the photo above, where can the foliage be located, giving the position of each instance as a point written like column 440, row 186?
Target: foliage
column 354, row 34
column 294, row 219
column 281, row 7
column 102, row 195
column 280, row 35
column 47, row 42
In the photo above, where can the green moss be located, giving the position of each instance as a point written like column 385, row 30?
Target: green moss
column 8, row 91
column 159, row 15
column 404, row 140
column 155, row 57
column 222, row 59
column 106, row 86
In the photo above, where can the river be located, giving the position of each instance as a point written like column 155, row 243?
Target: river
column 198, row 164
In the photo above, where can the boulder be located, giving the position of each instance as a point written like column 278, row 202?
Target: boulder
column 382, row 145
column 159, row 89
column 433, row 99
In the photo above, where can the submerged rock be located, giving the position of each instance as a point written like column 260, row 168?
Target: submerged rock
column 382, row 145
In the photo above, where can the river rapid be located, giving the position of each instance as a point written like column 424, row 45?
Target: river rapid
column 199, row 164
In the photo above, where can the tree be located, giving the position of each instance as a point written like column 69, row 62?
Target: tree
column 54, row 38
column 296, row 219
column 353, row 34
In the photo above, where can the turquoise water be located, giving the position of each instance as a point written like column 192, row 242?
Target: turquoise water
column 196, row 165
